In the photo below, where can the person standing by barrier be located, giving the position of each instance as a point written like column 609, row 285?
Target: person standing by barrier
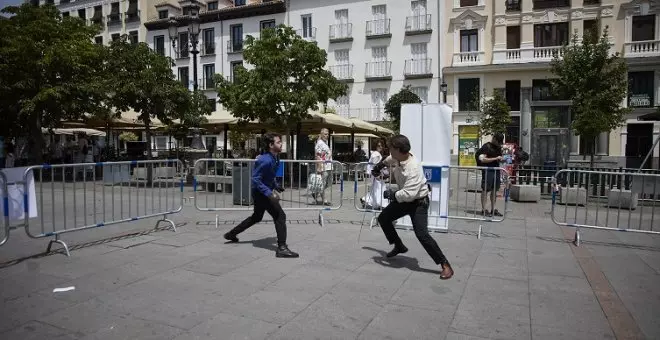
column 490, row 156
column 323, row 153
column 266, row 198
column 411, row 199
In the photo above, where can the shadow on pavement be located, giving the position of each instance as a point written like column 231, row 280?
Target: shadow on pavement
column 268, row 243
column 399, row 261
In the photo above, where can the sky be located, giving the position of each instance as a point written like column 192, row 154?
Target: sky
column 5, row 3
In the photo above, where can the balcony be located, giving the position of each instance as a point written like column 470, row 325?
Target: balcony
column 114, row 19
column 341, row 33
column 96, row 21
column 513, row 6
column 378, row 70
column 640, row 49
column 418, row 69
column 343, row 73
column 308, row 34
column 370, row 114
column 133, row 16
column 207, row 49
column 526, row 55
column 419, row 24
column 378, row 29
column 234, row 47
column 546, row 4
column 469, row 58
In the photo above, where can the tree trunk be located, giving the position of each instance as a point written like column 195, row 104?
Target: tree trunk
column 35, row 142
column 592, row 151
column 149, row 166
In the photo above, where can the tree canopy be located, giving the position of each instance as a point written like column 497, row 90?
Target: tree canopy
column 595, row 81
column 495, row 115
column 286, row 78
column 393, row 105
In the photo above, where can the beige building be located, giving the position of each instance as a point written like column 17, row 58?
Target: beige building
column 507, row 46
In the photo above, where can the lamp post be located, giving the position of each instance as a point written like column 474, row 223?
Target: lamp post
column 443, row 88
column 193, row 32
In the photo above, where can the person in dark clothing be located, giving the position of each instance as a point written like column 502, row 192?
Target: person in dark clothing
column 266, row 198
column 411, row 199
column 490, row 156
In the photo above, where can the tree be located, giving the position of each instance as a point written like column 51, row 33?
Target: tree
column 142, row 80
column 286, row 80
column 393, row 105
column 596, row 83
column 495, row 115
column 48, row 72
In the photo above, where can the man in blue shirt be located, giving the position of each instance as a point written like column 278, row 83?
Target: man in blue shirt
column 266, row 198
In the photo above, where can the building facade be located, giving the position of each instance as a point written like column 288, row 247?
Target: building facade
column 507, row 46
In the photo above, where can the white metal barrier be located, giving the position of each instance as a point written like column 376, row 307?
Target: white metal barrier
column 621, row 210
column 5, row 226
column 226, row 185
column 74, row 197
column 464, row 201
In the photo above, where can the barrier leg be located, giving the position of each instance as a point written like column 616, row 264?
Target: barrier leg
column 57, row 240
column 321, row 220
column 373, row 222
column 576, row 240
column 479, row 233
column 216, row 221
column 166, row 220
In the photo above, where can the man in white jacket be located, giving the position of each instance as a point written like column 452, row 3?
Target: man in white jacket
column 411, row 199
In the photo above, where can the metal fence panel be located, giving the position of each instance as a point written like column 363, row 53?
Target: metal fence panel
column 226, row 185
column 5, row 226
column 622, row 209
column 74, row 197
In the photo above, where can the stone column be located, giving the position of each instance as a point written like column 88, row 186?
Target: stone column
column 526, row 119
column 602, row 144
column 575, row 143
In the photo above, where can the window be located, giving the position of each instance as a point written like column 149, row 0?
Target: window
column 551, row 35
column 512, row 94
column 422, row 92
column 209, row 72
column 183, row 45
column 97, row 17
column 159, row 44
column 163, row 14
column 468, row 93
column 380, row 24
column 236, row 37
column 234, row 65
column 161, row 143
column 469, row 41
column 82, row 14
column 467, row 3
column 591, row 30
column 65, row 15
column 542, row 90
column 208, row 39
column 343, row 105
column 513, row 131
column 114, row 37
column 643, row 27
column 513, row 37
column 641, row 89
column 212, row 6
column 211, row 102
column 133, row 37
column 418, row 51
column 550, row 117
column 307, row 30
column 98, row 40
column 265, row 24
column 545, row 4
column 342, row 57
column 184, row 76
column 513, row 5
column 114, row 12
column 239, row 3
column 378, row 98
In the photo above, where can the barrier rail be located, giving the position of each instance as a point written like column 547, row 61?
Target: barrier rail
column 464, row 201
column 95, row 195
column 623, row 210
column 226, row 184
column 6, row 227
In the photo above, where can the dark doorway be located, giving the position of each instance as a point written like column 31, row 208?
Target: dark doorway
column 638, row 144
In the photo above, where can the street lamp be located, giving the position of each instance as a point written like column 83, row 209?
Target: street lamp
column 443, row 88
column 193, row 31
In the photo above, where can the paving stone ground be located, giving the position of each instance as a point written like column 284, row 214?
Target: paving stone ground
column 522, row 280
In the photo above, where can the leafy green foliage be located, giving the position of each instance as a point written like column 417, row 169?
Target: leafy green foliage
column 596, row 83
column 191, row 117
column 393, row 105
column 49, row 72
column 286, row 80
column 495, row 115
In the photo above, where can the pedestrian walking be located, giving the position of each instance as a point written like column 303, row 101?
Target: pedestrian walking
column 266, row 197
column 411, row 199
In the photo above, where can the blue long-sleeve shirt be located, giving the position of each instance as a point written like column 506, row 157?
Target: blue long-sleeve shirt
column 263, row 175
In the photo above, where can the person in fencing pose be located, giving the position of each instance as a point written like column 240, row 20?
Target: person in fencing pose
column 266, row 198
column 411, row 199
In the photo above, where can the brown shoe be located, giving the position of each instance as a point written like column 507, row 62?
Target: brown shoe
column 447, row 271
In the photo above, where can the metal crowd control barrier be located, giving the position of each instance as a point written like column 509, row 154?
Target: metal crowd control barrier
column 74, row 197
column 226, row 185
column 466, row 184
column 621, row 210
column 6, row 227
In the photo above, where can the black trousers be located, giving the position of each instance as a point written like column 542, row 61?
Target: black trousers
column 261, row 205
column 418, row 212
